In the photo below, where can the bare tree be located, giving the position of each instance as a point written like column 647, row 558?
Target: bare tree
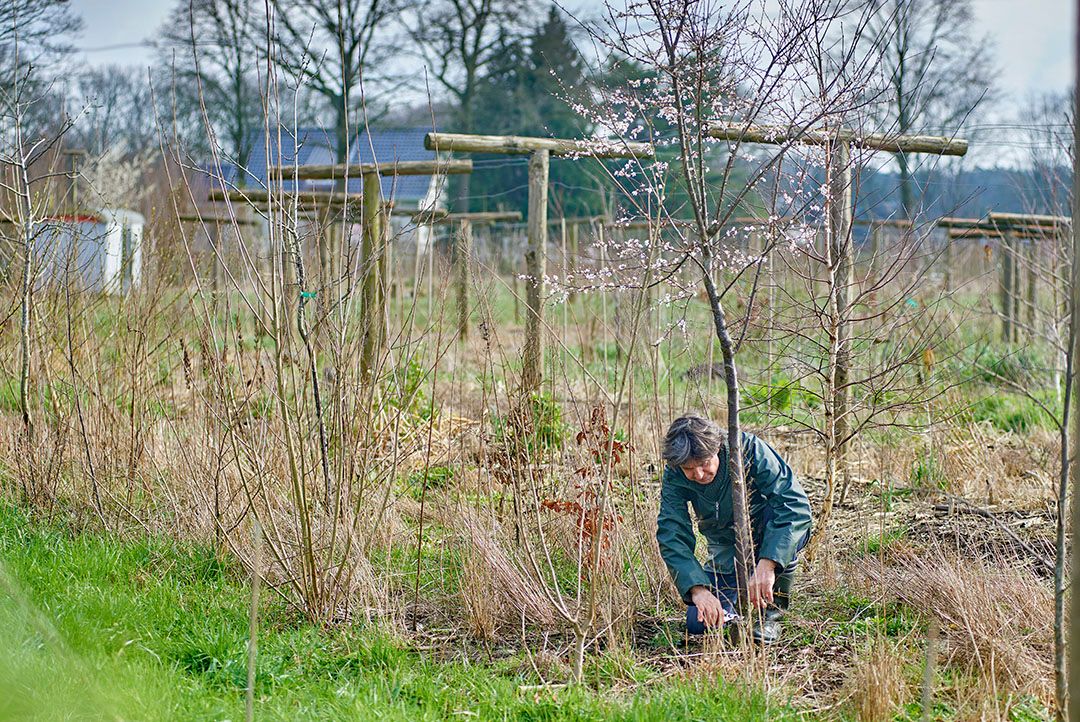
column 458, row 40
column 42, row 29
column 706, row 75
column 35, row 36
column 21, row 148
column 220, row 58
column 938, row 70
column 339, row 48
column 118, row 110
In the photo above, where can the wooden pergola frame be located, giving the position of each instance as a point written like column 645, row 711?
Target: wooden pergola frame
column 539, row 151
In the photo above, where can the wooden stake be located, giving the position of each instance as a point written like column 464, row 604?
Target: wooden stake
column 1006, row 289
column 464, row 253
column 1032, row 285
column 370, row 266
column 383, row 251
column 573, row 256
column 535, row 262
column 948, row 263
column 1016, row 251
column 565, row 275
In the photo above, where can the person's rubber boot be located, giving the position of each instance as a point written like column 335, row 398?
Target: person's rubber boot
column 767, row 625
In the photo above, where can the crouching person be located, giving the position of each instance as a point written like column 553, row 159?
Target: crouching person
column 696, row 476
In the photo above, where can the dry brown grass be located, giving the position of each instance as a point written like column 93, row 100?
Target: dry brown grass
column 494, row 585
column 876, row 686
column 997, row 620
column 479, row 594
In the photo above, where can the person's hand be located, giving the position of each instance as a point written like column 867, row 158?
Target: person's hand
column 709, row 610
column 760, row 589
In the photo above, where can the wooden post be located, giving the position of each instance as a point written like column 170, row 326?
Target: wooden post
column 464, row 254
column 565, row 274
column 1004, row 243
column 369, row 270
column 1006, row 288
column 535, row 256
column 947, row 280
column 1030, row 257
column 384, row 255
column 217, row 266
column 601, row 242
column 573, row 256
column 1015, row 245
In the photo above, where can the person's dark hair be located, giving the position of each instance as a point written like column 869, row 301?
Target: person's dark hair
column 691, row 438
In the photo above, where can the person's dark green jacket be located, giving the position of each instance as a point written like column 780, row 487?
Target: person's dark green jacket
column 779, row 515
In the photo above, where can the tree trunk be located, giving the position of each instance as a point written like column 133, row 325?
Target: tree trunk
column 744, row 539
column 1060, row 670
column 907, row 194
column 840, row 282
column 1074, row 421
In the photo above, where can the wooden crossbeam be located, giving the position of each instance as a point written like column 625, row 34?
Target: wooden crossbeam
column 516, row 144
column 1023, row 233
column 262, row 197
column 440, row 216
column 884, row 223
column 577, row 219
column 215, row 220
column 1016, row 223
column 357, row 170
column 779, row 135
column 952, row 222
column 1028, row 220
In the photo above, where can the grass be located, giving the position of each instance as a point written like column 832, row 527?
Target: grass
column 96, row 627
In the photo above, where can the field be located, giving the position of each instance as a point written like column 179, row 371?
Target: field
column 444, row 562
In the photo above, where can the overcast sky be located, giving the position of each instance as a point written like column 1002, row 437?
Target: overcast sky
column 1032, row 37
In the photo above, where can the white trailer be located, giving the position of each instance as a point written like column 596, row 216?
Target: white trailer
column 99, row 252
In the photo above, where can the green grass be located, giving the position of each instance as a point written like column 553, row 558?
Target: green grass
column 95, row 627
column 1013, row 412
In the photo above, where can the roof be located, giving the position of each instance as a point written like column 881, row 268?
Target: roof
column 315, row 146
column 105, row 216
